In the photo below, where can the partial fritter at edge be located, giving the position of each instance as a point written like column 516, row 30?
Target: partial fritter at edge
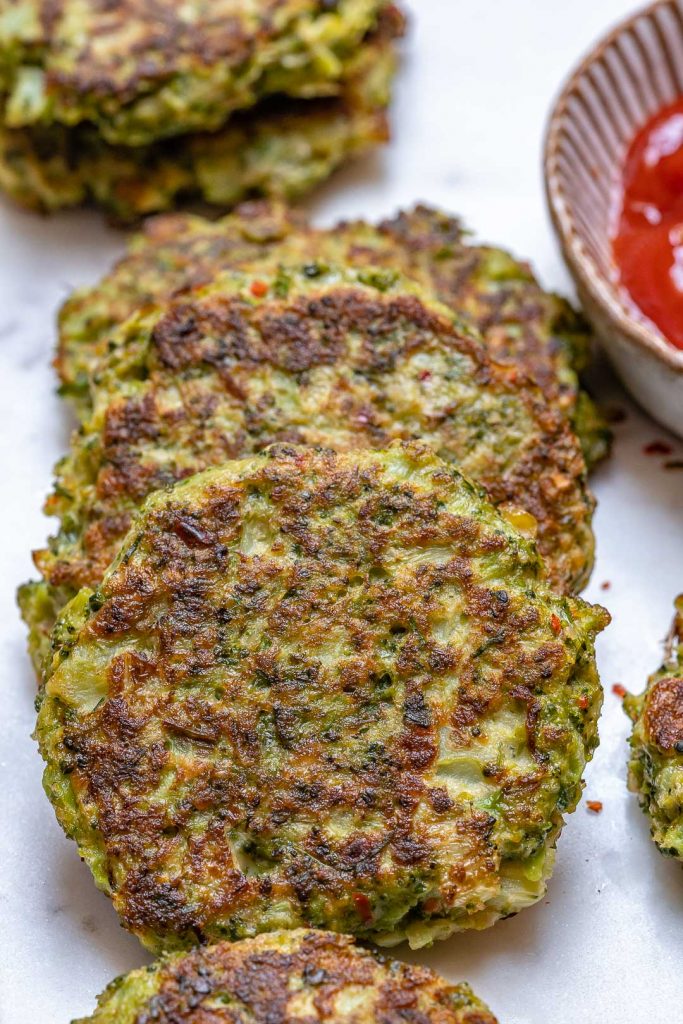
column 325, row 690
column 296, row 977
column 656, row 765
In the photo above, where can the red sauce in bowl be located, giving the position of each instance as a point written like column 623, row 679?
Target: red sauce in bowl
column 648, row 242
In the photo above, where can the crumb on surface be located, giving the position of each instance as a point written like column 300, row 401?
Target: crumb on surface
column 657, row 448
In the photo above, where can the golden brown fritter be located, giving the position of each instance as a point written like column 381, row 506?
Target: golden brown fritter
column 281, row 148
column 536, row 333
column 143, row 70
column 296, row 977
column 314, row 356
column 656, row 764
column 325, row 690
column 523, row 326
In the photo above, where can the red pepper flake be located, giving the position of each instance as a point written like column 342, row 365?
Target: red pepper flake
column 619, row 690
column 363, row 906
column 259, row 289
column 674, row 464
column 583, row 702
column 556, row 624
column 594, row 805
column 606, row 585
column 424, row 375
column 657, row 448
column 431, row 905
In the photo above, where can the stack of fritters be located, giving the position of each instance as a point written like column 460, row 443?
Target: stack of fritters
column 139, row 104
column 475, row 400
column 329, row 681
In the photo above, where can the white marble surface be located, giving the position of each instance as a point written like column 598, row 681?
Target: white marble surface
column 607, row 944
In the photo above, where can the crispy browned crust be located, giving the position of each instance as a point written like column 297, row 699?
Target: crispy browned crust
column 656, row 762
column 664, row 714
column 664, row 699
column 263, row 981
column 210, row 351
column 304, row 977
column 521, row 324
column 158, row 42
column 533, row 331
column 257, row 713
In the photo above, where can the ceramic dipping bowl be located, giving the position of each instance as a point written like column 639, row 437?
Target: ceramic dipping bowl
column 625, row 80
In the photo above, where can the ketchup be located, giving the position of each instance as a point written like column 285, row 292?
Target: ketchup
column 648, row 243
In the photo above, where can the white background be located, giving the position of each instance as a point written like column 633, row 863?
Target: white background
column 607, row 943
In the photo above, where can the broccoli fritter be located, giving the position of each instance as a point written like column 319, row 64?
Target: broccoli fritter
column 281, row 148
column 320, row 689
column 297, row 977
column 144, row 70
column 319, row 356
column 522, row 326
column 656, row 765
column 536, row 333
